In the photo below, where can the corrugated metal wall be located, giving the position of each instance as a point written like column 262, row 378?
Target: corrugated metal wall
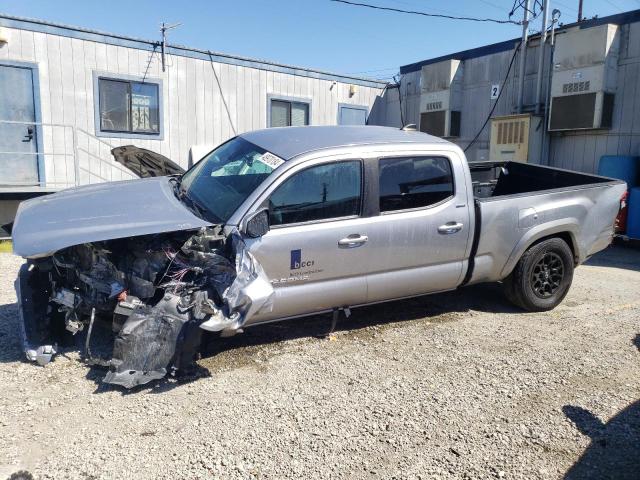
column 193, row 112
column 578, row 150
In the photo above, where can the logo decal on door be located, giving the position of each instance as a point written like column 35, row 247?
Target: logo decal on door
column 297, row 262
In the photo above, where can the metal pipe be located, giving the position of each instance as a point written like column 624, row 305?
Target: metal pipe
column 542, row 47
column 580, row 10
column 523, row 54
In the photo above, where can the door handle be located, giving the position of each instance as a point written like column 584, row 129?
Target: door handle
column 29, row 136
column 450, row 227
column 352, row 241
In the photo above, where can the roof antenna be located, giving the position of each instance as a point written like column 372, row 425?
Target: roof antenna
column 409, row 127
column 163, row 29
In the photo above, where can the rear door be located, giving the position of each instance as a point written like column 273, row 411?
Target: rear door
column 315, row 252
column 419, row 239
column 18, row 151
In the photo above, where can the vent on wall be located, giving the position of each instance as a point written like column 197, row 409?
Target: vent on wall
column 516, row 138
column 576, row 87
column 433, row 106
column 510, row 132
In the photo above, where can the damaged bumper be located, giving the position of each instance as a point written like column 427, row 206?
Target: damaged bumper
column 159, row 292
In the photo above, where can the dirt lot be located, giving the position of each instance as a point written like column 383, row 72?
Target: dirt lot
column 458, row 385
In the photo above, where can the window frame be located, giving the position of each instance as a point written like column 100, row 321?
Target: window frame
column 285, row 178
column 97, row 76
column 280, row 98
column 376, row 198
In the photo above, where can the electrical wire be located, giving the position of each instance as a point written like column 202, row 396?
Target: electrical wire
column 425, row 14
column 224, row 101
column 504, row 82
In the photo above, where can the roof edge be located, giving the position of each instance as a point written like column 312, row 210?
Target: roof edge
column 631, row 16
column 42, row 26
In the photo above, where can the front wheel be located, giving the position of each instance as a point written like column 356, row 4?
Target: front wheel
column 542, row 276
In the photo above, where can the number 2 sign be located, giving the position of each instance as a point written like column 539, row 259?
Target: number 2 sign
column 495, row 91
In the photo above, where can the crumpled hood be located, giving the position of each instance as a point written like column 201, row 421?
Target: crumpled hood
column 145, row 163
column 103, row 211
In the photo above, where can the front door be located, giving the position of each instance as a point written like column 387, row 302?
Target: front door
column 315, row 253
column 18, row 142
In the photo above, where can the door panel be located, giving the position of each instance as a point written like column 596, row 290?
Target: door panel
column 409, row 256
column 418, row 250
column 315, row 252
column 309, row 270
column 18, row 142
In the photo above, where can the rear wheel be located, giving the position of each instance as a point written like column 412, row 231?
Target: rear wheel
column 542, row 276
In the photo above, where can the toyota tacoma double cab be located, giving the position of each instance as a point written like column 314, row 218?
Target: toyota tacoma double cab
column 287, row 222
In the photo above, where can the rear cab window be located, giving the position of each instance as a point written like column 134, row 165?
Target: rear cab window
column 318, row 193
column 414, row 182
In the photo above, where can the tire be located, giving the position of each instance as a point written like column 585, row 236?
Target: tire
column 542, row 277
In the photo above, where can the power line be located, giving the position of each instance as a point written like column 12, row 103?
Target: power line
column 424, row 14
column 394, row 69
column 504, row 83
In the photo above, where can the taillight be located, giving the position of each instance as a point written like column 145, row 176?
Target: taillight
column 620, row 225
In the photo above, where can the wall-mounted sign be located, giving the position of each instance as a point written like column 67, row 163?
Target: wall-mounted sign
column 495, row 91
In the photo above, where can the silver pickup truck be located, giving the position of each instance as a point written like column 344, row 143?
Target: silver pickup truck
column 288, row 222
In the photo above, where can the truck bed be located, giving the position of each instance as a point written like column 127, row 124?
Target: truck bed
column 495, row 179
column 517, row 204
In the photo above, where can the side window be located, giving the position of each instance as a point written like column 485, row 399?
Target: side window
column 414, row 182
column 317, row 193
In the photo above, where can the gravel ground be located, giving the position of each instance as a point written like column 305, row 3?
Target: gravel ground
column 457, row 385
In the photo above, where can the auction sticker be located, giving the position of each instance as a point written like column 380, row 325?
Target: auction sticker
column 271, row 160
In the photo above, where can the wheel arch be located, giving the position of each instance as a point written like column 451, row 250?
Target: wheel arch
column 567, row 231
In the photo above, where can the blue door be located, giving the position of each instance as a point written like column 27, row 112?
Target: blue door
column 18, row 142
column 352, row 115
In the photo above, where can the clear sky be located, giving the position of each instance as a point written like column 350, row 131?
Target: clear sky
column 311, row 33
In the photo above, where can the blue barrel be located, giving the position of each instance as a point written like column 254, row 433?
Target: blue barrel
column 622, row 167
column 633, row 214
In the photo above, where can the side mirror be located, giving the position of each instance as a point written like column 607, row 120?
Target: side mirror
column 257, row 224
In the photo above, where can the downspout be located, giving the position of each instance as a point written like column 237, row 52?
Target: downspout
column 523, row 54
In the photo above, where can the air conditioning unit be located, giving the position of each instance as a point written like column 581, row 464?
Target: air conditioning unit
column 441, row 98
column 516, row 138
column 584, row 78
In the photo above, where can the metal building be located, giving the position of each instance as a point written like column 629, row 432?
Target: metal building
column 68, row 95
column 593, row 106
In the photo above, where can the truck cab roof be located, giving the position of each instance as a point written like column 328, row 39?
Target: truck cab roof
column 290, row 142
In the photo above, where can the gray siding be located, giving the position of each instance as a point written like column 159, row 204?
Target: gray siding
column 578, row 150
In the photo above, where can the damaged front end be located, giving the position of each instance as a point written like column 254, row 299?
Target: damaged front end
column 159, row 292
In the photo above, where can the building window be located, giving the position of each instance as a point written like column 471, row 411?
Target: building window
column 288, row 113
column 352, row 114
column 414, row 182
column 127, row 106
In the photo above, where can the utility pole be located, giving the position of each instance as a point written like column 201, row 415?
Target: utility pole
column 580, row 10
column 541, row 50
column 523, row 54
column 163, row 30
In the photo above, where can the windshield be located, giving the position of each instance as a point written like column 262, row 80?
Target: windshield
column 218, row 184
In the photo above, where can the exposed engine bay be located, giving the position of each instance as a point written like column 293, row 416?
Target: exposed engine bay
column 159, row 292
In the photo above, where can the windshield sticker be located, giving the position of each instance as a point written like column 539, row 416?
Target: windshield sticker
column 270, row 159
